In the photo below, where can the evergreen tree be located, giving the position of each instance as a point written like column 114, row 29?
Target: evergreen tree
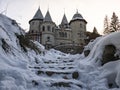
column 95, row 30
column 106, row 25
column 115, row 24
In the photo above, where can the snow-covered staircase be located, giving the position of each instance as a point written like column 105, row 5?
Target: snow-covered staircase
column 63, row 72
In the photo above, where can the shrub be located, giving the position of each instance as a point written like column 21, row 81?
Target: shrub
column 5, row 46
column 26, row 42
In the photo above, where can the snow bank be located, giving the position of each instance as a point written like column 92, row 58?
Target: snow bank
column 98, row 47
column 109, row 70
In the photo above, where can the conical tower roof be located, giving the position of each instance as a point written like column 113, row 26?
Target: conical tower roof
column 64, row 20
column 48, row 17
column 38, row 15
column 77, row 16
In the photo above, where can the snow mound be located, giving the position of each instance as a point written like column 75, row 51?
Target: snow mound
column 97, row 47
column 111, row 69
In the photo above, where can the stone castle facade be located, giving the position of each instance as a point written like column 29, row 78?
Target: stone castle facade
column 45, row 31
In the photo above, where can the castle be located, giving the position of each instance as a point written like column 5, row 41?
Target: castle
column 45, row 31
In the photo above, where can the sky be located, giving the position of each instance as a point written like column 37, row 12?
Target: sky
column 93, row 11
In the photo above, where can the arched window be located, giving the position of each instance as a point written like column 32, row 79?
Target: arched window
column 43, row 28
column 48, row 28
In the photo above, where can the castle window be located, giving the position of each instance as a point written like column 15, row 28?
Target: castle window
column 65, row 34
column 60, row 34
column 38, row 38
column 80, row 25
column 33, row 23
column 48, row 38
column 52, row 29
column 48, row 28
column 32, row 31
column 43, row 28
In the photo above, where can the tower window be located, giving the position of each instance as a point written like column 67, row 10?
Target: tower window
column 43, row 28
column 48, row 28
column 80, row 25
column 33, row 23
column 52, row 29
column 48, row 38
column 60, row 34
column 32, row 31
column 65, row 35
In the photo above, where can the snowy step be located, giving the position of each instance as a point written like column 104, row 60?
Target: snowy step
column 58, row 82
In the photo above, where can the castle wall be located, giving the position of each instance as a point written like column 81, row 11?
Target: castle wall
column 63, row 36
column 78, row 31
column 48, row 33
column 35, row 25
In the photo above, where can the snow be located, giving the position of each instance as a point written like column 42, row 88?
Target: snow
column 52, row 69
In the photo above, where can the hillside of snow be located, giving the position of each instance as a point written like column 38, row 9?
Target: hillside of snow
column 26, row 65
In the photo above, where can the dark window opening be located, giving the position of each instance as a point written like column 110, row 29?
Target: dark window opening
column 48, row 28
column 48, row 38
column 32, row 31
column 43, row 28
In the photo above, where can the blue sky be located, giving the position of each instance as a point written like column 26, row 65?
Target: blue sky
column 93, row 11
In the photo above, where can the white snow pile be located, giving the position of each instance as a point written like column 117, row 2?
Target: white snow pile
column 110, row 70
column 28, row 66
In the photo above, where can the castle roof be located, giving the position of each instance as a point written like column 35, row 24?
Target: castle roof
column 48, row 17
column 64, row 20
column 77, row 15
column 38, row 15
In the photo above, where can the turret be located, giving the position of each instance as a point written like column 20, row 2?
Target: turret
column 38, row 16
column 35, row 26
column 78, row 26
column 64, row 23
column 48, row 31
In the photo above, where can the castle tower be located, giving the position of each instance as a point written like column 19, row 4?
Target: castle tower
column 78, row 26
column 63, row 33
column 64, row 23
column 48, row 31
column 35, row 24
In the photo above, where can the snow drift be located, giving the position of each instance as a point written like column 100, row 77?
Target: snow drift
column 111, row 69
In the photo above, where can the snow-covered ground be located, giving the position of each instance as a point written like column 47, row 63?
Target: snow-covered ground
column 54, row 70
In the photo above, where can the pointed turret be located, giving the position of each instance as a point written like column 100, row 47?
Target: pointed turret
column 64, row 20
column 38, row 15
column 48, row 17
column 64, row 24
